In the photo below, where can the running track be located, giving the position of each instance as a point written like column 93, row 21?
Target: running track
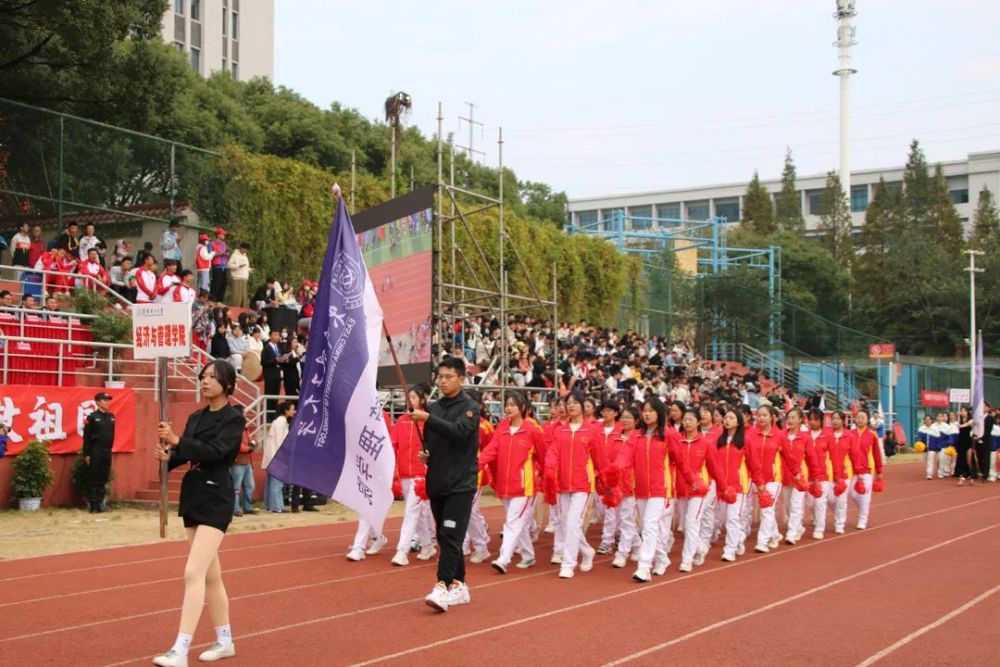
column 919, row 587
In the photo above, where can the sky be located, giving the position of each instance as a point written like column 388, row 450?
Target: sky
column 598, row 98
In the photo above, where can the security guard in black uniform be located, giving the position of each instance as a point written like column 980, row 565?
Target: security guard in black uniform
column 98, row 437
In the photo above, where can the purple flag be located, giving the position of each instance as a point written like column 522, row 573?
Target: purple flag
column 339, row 443
column 978, row 400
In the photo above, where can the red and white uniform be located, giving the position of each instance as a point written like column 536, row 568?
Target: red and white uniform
column 181, row 293
column 764, row 459
column 417, row 519
column 697, row 512
column 94, row 270
column 477, row 538
column 145, row 283
column 840, row 454
column 648, row 456
column 794, row 474
column 824, row 468
column 621, row 519
column 513, row 455
column 728, row 467
column 164, row 287
column 866, row 457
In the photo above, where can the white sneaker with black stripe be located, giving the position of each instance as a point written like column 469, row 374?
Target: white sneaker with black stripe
column 218, row 651
column 171, row 659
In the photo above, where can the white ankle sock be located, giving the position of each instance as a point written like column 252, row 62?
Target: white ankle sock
column 182, row 644
column 224, row 634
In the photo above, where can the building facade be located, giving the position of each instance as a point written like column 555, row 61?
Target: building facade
column 966, row 178
column 229, row 35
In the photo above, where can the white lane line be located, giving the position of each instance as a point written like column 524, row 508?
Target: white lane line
column 927, row 628
column 646, row 588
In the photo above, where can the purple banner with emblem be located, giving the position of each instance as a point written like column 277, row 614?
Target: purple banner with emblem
column 339, row 443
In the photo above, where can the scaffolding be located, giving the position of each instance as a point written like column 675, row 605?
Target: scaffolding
column 489, row 292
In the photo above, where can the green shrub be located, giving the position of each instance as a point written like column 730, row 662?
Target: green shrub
column 32, row 474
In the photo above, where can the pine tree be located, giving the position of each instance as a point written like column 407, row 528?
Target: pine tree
column 916, row 185
column 835, row 221
column 943, row 222
column 788, row 213
column 882, row 220
column 758, row 209
column 986, row 221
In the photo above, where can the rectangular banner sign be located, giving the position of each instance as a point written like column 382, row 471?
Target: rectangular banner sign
column 959, row 395
column 56, row 416
column 161, row 330
column 934, row 399
column 881, row 351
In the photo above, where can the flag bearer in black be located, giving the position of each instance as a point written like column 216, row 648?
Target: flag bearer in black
column 98, row 437
column 451, row 442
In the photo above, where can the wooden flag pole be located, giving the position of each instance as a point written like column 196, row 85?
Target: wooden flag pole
column 402, row 380
column 162, row 388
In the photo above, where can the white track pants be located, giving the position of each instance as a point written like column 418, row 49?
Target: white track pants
column 695, row 511
column 363, row 536
column 628, row 534
column 993, row 466
column 794, row 501
column 517, row 529
column 819, row 507
column 768, row 529
column 477, row 536
column 415, row 515
column 656, row 516
column 573, row 506
column 737, row 520
column 946, row 464
column 930, row 463
column 863, row 501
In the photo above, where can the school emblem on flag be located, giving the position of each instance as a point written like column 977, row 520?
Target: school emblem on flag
column 339, row 443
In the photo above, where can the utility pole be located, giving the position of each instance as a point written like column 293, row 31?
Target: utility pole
column 972, row 317
column 470, row 149
column 845, row 40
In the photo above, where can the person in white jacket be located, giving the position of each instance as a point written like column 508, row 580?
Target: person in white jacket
column 274, row 489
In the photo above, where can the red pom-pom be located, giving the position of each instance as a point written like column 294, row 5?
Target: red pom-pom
column 839, row 487
column 397, row 487
column 613, row 498
column 698, row 489
column 878, row 486
column 612, row 476
column 487, row 477
column 550, row 486
column 816, row 490
column 729, row 495
column 420, row 488
column 765, row 498
column 801, row 485
column 859, row 486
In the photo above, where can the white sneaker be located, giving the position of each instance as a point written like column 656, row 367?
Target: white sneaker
column 741, row 548
column 699, row 557
column 550, row 529
column 565, row 572
column 604, row 548
column 660, row 567
column 376, row 545
column 642, row 575
column 499, row 567
column 355, row 555
column 587, row 560
column 790, row 539
column 556, row 559
column 218, row 651
column 635, row 554
column 774, row 542
column 171, row 659
column 685, row 567
column 838, row 531
column 466, row 549
column 761, row 549
column 458, row 594
column 478, row 556
column 428, row 552
column 438, row 598
column 400, row 559
column 729, row 559
column 862, row 526
column 817, row 535
column 619, row 561
column 525, row 563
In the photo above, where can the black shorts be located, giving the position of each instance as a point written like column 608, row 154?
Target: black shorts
column 193, row 522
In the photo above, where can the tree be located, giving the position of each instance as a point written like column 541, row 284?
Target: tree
column 916, row 184
column 758, row 208
column 943, row 222
column 788, row 212
column 835, row 221
column 540, row 202
column 986, row 221
column 882, row 221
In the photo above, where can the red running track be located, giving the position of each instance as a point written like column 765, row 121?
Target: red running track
column 408, row 303
column 919, row 587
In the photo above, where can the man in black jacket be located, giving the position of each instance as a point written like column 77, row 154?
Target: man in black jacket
column 451, row 446
column 271, row 359
column 98, row 438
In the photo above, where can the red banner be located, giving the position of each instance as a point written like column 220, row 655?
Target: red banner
column 934, row 399
column 881, row 351
column 56, row 415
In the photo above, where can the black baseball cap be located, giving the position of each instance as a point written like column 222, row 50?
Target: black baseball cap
column 102, row 396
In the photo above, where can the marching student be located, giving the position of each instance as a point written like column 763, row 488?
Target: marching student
column 709, row 428
column 623, row 516
column 407, row 441
column 824, row 468
column 608, row 430
column 727, row 464
column 693, row 487
column 963, row 469
column 794, row 474
column 840, row 453
column 545, row 513
column 925, row 433
column 366, row 541
column 649, row 457
column 993, row 433
column 765, row 442
column 866, row 457
column 949, row 441
column 477, row 539
column 513, row 452
column 568, row 480
column 210, row 443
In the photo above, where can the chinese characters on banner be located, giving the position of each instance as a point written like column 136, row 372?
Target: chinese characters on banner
column 56, row 416
column 161, row 330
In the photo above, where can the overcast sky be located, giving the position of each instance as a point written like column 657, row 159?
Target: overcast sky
column 612, row 97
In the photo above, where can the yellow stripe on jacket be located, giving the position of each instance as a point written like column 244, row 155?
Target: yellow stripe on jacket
column 528, row 475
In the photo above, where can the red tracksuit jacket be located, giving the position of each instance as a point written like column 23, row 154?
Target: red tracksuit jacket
column 569, row 454
column 840, row 452
column 728, row 467
column 866, row 455
column 649, row 458
column 690, row 464
column 763, row 457
column 819, row 457
column 515, row 458
column 793, row 457
column 406, row 441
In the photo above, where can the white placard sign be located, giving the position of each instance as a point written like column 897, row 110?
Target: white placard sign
column 161, row 330
column 959, row 395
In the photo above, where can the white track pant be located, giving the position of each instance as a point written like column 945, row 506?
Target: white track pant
column 656, row 516
column 993, row 466
column 768, row 529
column 611, row 526
column 737, row 520
column 695, row 511
column 363, row 536
column 930, row 463
column 517, row 529
column 819, row 507
column 946, row 464
column 572, row 507
column 478, row 535
column 415, row 518
column 624, row 518
column 863, row 501
column 794, row 501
